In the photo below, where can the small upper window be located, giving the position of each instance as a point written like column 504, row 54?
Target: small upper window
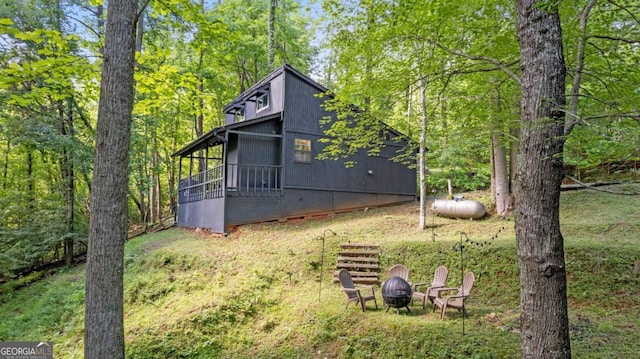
column 302, row 150
column 240, row 115
column 262, row 101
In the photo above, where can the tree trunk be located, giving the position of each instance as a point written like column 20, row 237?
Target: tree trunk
column 31, row 184
column 67, row 129
column 158, row 199
column 500, row 174
column 422, row 152
column 572, row 113
column 202, row 164
column 272, row 33
column 143, row 209
column 514, row 146
column 5, row 168
column 100, row 23
column 543, row 290
column 104, row 329
column 492, row 166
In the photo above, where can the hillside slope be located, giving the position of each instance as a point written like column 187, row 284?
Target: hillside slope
column 257, row 292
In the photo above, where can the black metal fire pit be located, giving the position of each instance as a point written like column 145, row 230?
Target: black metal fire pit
column 396, row 292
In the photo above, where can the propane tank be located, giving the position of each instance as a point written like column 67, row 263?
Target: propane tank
column 458, row 208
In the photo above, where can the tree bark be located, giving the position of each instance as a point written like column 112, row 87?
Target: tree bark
column 272, row 34
column 104, row 329
column 5, row 167
column 540, row 247
column 422, row 152
column 68, row 175
column 500, row 174
column 514, row 145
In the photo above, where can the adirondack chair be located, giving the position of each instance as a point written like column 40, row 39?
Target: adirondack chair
column 399, row 270
column 457, row 300
column 353, row 293
column 439, row 281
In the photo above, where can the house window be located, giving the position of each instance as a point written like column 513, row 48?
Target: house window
column 302, row 150
column 262, row 102
column 240, row 115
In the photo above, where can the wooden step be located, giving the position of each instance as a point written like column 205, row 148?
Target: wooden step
column 358, row 259
column 362, row 280
column 359, row 277
column 352, row 253
column 357, row 265
column 359, row 274
column 359, row 245
column 361, row 260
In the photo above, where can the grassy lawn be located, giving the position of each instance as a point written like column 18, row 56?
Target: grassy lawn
column 259, row 293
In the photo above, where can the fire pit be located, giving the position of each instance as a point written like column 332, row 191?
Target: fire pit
column 396, row 292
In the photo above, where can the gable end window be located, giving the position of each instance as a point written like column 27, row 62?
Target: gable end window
column 240, row 115
column 302, row 150
column 262, row 102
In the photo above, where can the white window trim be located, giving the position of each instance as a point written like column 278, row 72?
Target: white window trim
column 295, row 151
column 266, row 94
column 238, row 117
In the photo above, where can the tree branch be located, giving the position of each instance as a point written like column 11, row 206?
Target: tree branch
column 615, row 38
column 500, row 65
column 577, row 77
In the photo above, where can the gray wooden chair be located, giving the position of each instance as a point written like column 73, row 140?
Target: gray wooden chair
column 353, row 294
column 430, row 292
column 457, row 300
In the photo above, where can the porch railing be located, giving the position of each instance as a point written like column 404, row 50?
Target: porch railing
column 203, row 185
column 254, row 180
column 241, row 180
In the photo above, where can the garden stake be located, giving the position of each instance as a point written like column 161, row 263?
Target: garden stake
column 460, row 247
column 322, row 258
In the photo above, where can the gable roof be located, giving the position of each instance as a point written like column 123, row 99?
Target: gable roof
column 263, row 84
column 213, row 137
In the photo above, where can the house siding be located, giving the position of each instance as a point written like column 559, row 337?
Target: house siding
column 243, row 210
column 303, row 112
column 260, row 149
column 303, row 202
column 207, row 213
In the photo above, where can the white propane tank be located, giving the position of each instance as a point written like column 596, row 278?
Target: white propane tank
column 458, row 208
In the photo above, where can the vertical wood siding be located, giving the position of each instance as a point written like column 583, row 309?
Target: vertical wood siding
column 260, row 150
column 203, row 214
column 297, row 203
column 303, row 112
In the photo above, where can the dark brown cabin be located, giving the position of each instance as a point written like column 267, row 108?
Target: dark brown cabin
column 261, row 165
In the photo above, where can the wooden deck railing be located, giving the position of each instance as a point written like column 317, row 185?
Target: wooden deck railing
column 254, row 180
column 241, row 180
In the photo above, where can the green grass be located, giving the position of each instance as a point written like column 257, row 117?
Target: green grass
column 255, row 293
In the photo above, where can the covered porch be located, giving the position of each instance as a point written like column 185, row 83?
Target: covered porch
column 241, row 160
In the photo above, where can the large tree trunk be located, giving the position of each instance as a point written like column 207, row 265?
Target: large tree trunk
column 543, row 290
column 104, row 329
